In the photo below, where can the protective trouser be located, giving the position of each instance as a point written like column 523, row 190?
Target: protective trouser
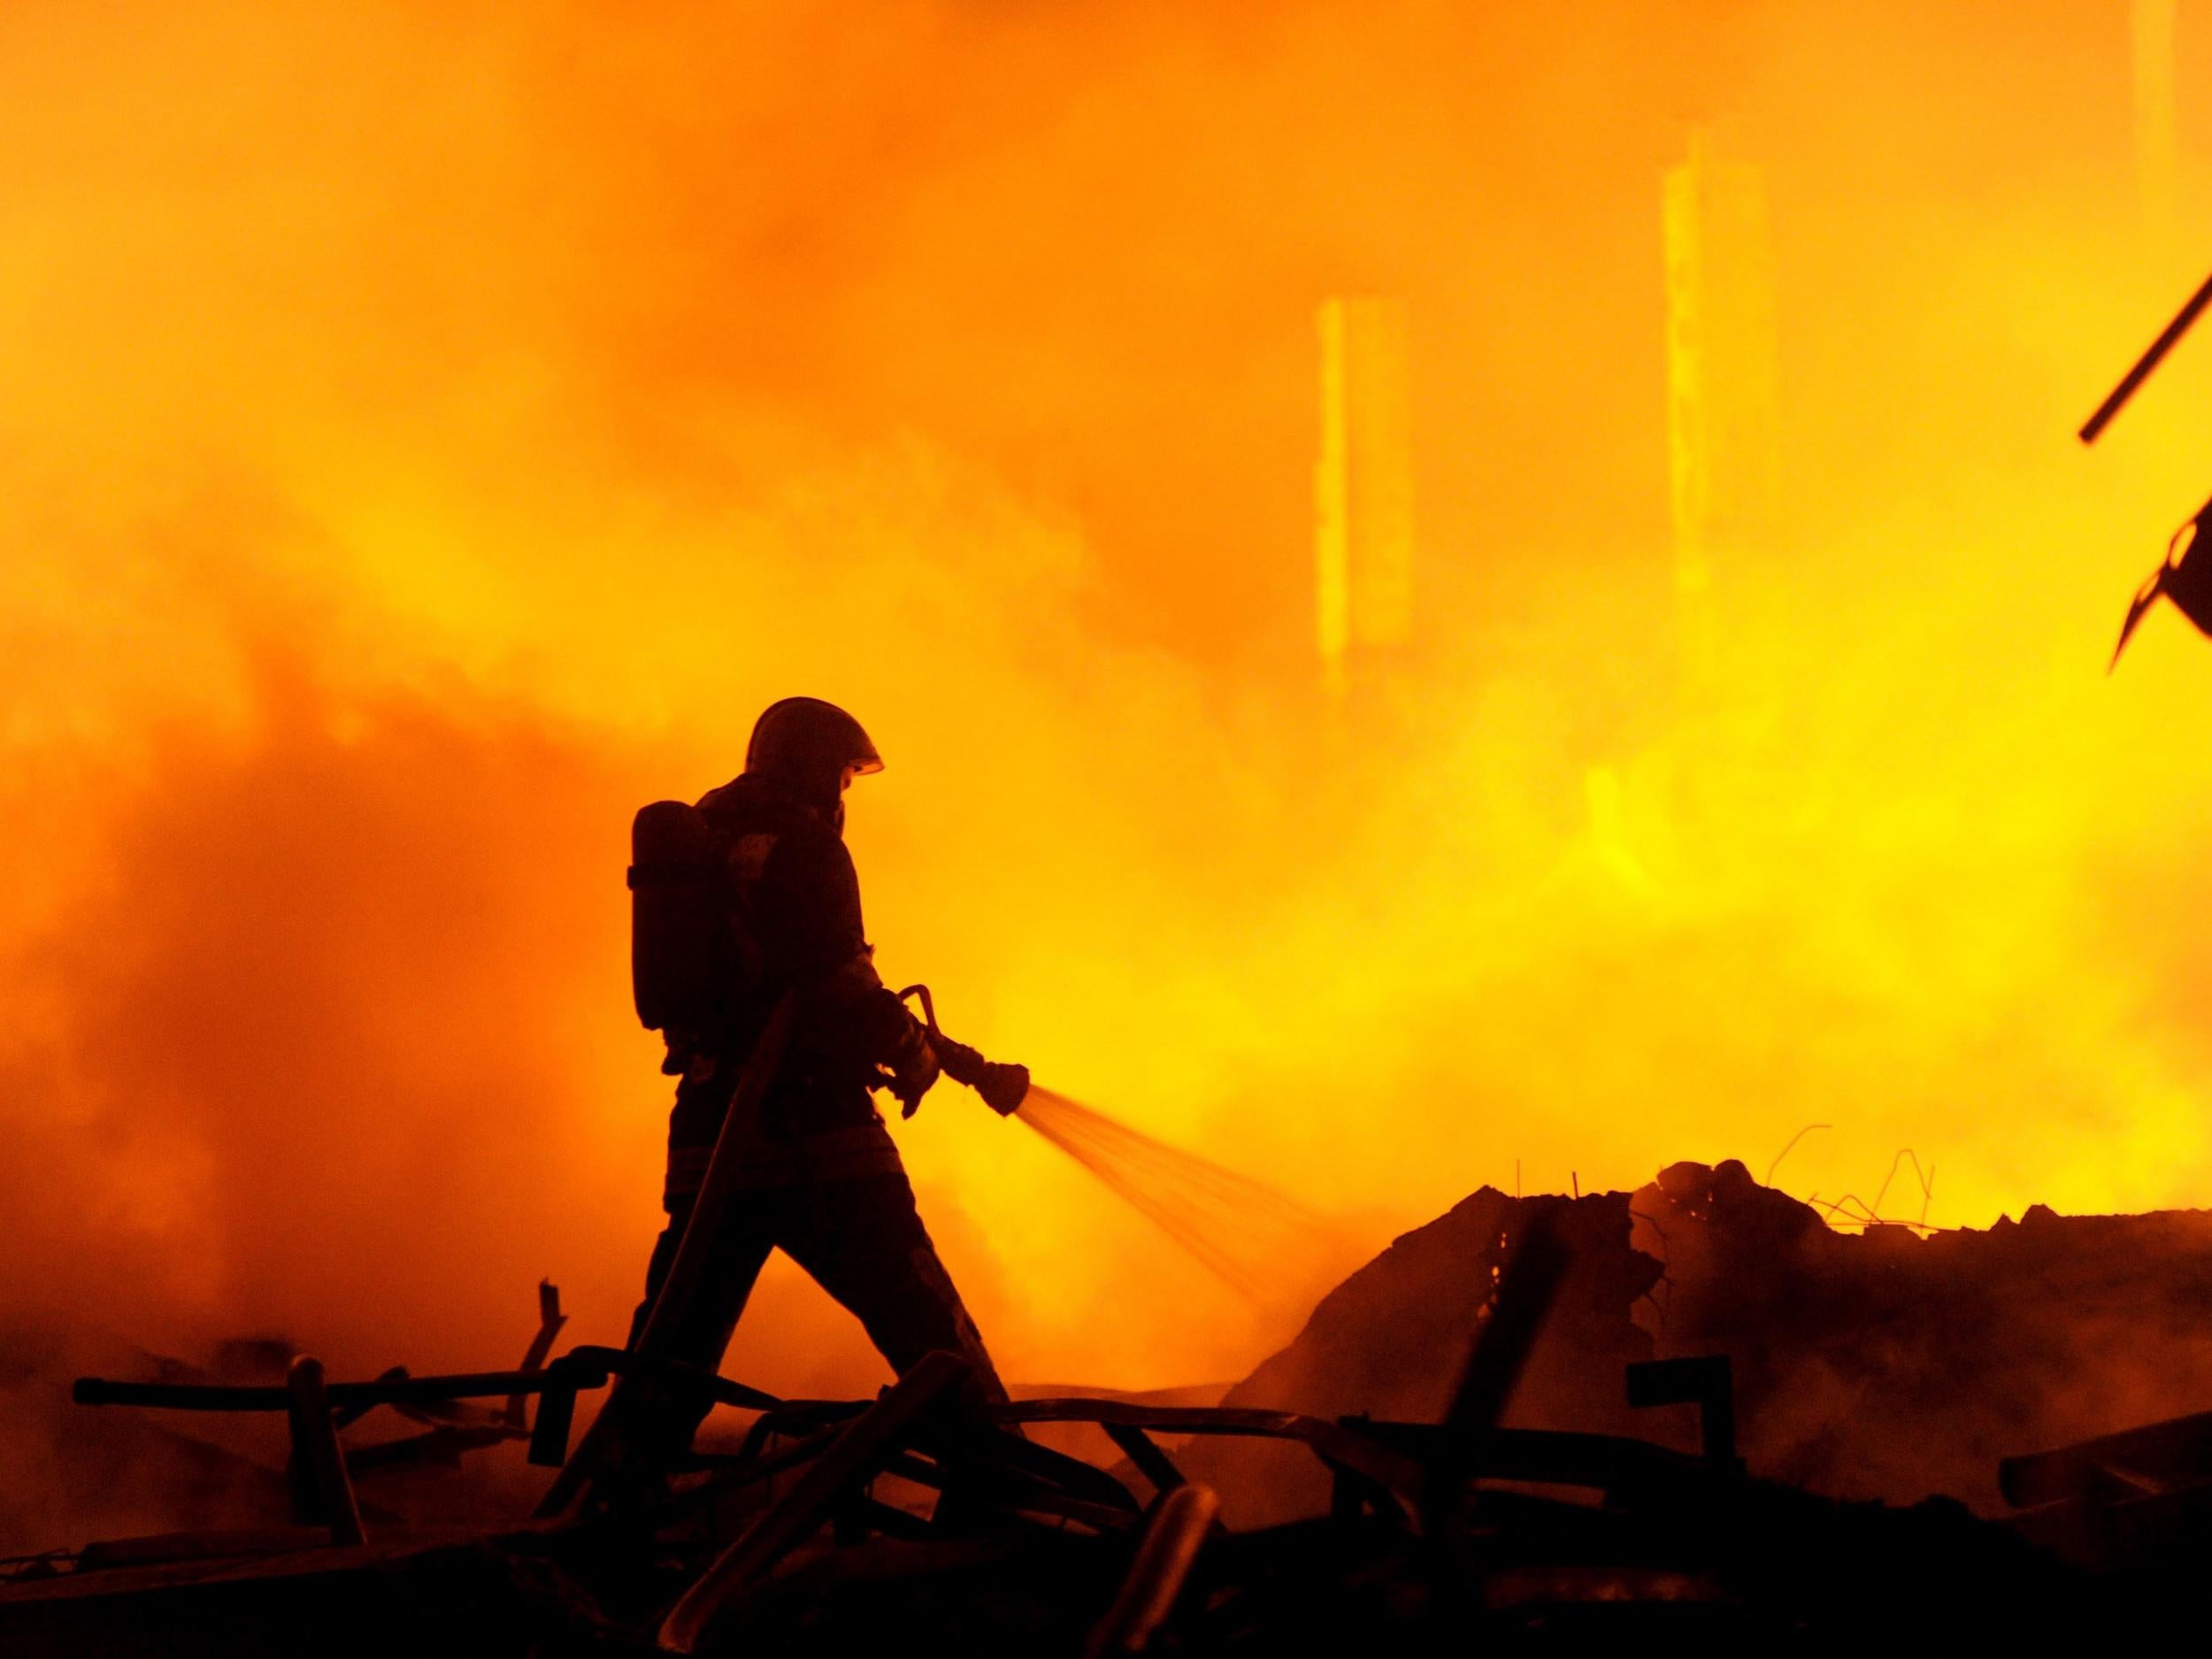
column 862, row 1240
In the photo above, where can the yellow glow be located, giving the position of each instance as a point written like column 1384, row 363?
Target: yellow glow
column 423, row 439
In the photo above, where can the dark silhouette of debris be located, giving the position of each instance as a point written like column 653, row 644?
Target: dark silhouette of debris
column 1533, row 1423
column 2140, row 368
column 2183, row 578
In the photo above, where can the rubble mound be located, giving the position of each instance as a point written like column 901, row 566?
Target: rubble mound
column 1390, row 1339
column 1885, row 1363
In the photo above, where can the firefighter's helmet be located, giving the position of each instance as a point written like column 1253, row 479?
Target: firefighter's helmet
column 806, row 744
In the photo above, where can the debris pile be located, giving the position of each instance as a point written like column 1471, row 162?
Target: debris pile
column 1528, row 1422
column 1891, row 1364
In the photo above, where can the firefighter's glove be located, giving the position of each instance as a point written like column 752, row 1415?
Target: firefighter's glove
column 911, row 1072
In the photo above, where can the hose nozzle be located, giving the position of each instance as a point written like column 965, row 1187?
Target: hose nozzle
column 1002, row 1085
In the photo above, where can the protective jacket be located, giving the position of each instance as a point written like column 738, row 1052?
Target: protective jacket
column 799, row 900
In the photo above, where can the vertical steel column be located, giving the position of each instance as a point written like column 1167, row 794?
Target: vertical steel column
column 322, row 1495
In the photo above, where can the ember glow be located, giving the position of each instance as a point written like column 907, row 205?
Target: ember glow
column 430, row 435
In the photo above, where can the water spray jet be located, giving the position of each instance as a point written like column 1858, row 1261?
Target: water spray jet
column 1252, row 1237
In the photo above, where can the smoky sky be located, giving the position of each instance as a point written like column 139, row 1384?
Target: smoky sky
column 432, row 434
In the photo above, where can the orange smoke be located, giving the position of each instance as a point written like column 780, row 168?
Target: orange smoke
column 429, row 436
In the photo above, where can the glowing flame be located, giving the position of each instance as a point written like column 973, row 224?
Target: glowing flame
column 427, row 439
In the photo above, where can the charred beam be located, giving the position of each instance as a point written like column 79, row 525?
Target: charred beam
column 1707, row 1382
column 1144, row 1452
column 100, row 1391
column 2171, row 1453
column 2152, row 356
column 322, row 1492
column 550, row 1319
column 1499, row 1354
column 1181, row 1522
column 870, row 1441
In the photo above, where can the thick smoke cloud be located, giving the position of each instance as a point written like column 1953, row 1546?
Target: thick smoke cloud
column 280, row 1066
column 429, row 436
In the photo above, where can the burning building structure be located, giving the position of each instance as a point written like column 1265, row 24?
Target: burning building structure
column 1363, row 515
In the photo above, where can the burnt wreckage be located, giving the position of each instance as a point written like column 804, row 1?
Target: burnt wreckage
column 832, row 1524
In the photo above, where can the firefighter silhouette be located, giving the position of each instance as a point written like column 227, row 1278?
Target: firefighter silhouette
column 743, row 905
